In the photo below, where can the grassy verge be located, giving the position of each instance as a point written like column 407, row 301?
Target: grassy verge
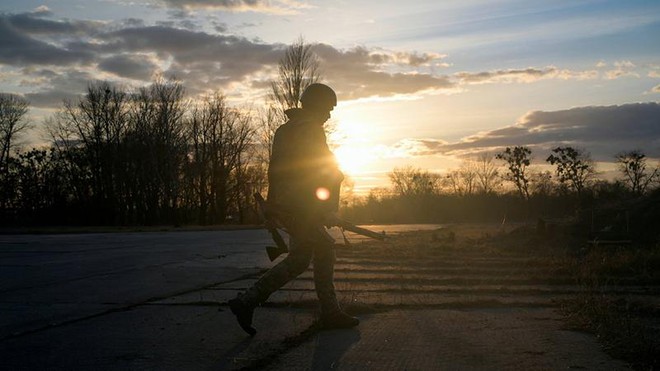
column 613, row 302
column 628, row 327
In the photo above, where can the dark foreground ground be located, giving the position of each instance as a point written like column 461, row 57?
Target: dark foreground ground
column 464, row 297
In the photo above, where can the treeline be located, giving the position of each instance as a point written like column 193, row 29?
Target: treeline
column 146, row 156
column 151, row 156
column 505, row 186
column 142, row 157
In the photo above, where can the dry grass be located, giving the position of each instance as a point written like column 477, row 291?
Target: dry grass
column 628, row 326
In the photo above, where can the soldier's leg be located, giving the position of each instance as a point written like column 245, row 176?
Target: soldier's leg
column 324, row 267
column 290, row 267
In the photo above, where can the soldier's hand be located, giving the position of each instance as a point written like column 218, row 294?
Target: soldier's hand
column 331, row 219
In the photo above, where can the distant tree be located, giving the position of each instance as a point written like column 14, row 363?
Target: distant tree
column 33, row 171
column 378, row 194
column 298, row 68
column 267, row 123
column 410, row 181
column 636, row 175
column 541, row 183
column 606, row 190
column 97, row 124
column 347, row 193
column 71, row 161
column 463, row 181
column 517, row 160
column 13, row 123
column 574, row 167
column 219, row 138
column 487, row 173
column 156, row 150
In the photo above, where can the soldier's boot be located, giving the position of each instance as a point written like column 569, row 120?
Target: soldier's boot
column 244, row 313
column 338, row 320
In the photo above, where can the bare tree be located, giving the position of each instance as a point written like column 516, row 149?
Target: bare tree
column 13, row 123
column 410, row 181
column 636, row 174
column 463, row 181
column 157, row 148
column 268, row 121
column 298, row 68
column 574, row 167
column 541, row 183
column 220, row 137
column 378, row 194
column 518, row 160
column 97, row 122
column 487, row 173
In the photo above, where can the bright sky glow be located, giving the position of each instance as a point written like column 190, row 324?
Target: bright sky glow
column 425, row 83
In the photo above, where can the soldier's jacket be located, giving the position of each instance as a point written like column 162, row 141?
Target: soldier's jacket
column 300, row 164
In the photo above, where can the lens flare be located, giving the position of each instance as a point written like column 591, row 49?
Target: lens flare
column 322, row 193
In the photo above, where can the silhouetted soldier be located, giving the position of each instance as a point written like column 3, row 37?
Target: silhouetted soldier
column 304, row 180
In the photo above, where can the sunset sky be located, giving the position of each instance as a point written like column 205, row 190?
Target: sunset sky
column 421, row 83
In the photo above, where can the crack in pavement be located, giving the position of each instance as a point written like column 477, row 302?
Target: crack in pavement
column 122, row 308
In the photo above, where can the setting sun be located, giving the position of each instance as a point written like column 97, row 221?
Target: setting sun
column 353, row 138
column 353, row 159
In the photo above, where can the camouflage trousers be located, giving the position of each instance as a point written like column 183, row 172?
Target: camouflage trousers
column 306, row 242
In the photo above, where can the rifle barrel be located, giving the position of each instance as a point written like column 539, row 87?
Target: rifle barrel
column 362, row 231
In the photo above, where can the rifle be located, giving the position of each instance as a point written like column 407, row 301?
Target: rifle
column 272, row 224
column 348, row 226
column 275, row 219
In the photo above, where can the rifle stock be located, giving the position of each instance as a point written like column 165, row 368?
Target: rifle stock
column 281, row 246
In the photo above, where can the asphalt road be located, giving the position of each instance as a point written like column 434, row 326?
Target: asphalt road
column 49, row 280
column 156, row 300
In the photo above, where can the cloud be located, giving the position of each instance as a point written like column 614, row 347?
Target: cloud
column 622, row 69
column 381, row 56
column 42, row 10
column 262, row 6
column 526, row 75
column 418, row 147
column 359, row 73
column 138, row 67
column 50, row 98
column 205, row 61
column 19, row 47
column 201, row 60
column 61, row 85
column 601, row 130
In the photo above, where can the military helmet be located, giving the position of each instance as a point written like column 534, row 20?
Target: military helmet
column 319, row 95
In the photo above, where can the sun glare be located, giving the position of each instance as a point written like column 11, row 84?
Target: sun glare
column 353, row 145
column 353, row 159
